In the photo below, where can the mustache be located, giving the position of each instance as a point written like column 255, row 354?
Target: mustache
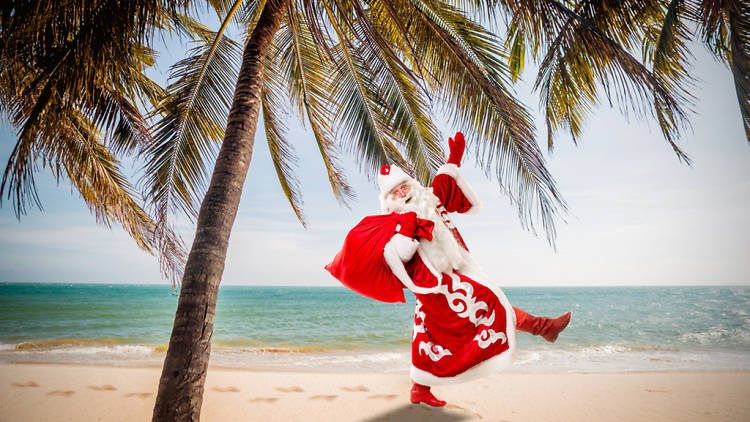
column 416, row 198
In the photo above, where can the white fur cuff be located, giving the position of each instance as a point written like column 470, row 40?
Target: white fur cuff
column 404, row 246
column 452, row 171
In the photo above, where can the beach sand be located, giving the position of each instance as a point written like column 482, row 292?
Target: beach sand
column 45, row 392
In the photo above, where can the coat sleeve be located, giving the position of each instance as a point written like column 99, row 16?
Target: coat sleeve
column 454, row 192
column 399, row 250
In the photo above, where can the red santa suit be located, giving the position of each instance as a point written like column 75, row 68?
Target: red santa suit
column 464, row 326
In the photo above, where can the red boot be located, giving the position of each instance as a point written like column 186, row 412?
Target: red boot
column 421, row 394
column 541, row 326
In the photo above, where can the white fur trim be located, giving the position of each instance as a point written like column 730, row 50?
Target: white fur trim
column 405, row 246
column 391, row 255
column 492, row 365
column 383, row 206
column 452, row 171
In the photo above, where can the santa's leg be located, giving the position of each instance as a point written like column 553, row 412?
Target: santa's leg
column 548, row 328
column 422, row 394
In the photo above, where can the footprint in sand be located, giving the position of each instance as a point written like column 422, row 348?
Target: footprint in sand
column 230, row 389
column 63, row 393
column 383, row 396
column 457, row 407
column 139, row 395
column 292, row 389
column 263, row 399
column 327, row 397
column 25, row 384
column 105, row 387
column 355, row 389
column 657, row 390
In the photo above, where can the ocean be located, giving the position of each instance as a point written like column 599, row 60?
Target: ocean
column 613, row 329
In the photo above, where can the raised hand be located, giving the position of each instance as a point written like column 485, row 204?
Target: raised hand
column 457, row 147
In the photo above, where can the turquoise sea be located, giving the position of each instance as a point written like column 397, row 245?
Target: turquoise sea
column 331, row 328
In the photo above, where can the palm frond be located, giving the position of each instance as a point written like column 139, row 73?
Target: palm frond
column 714, row 28
column 408, row 117
column 739, row 25
column 665, row 43
column 356, row 20
column 399, row 97
column 117, row 111
column 469, row 71
column 282, row 152
column 72, row 148
column 249, row 15
column 361, row 126
column 71, row 82
column 315, row 18
column 234, row 9
column 184, row 25
column 404, row 101
column 96, row 175
column 130, row 131
column 193, row 116
column 669, row 55
column 18, row 178
column 57, row 54
column 582, row 58
column 725, row 29
column 310, row 78
column 516, row 44
column 391, row 26
column 70, row 48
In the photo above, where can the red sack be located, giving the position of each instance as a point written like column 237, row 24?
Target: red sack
column 360, row 265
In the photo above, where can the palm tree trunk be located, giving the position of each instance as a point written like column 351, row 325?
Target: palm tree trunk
column 184, row 374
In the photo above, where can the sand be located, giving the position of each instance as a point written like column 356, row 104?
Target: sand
column 40, row 392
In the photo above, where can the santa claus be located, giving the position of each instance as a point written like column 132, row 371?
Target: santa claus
column 464, row 326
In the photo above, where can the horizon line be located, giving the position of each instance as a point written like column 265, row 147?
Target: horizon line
column 166, row 284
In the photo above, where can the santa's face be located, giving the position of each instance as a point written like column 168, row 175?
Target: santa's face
column 401, row 191
column 397, row 198
column 410, row 196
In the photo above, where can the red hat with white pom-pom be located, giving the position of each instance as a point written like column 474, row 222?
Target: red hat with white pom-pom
column 390, row 177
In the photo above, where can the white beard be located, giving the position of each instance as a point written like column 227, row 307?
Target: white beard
column 442, row 254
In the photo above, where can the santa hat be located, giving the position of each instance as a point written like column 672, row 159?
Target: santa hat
column 390, row 177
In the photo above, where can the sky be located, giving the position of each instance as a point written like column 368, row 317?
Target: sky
column 637, row 216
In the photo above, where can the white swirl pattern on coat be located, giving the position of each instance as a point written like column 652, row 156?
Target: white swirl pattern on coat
column 418, row 326
column 466, row 305
column 488, row 337
column 434, row 351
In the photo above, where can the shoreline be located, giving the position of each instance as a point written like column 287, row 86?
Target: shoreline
column 80, row 392
column 260, row 369
column 540, row 360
